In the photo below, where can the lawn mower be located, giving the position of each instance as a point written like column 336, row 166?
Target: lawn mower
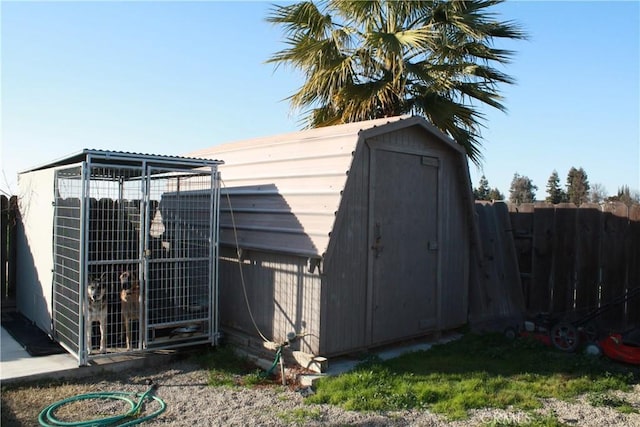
column 566, row 335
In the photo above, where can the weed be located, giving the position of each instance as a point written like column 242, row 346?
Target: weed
column 611, row 401
column 300, row 416
column 228, row 369
column 254, row 378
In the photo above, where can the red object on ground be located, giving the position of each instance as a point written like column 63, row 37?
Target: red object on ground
column 613, row 347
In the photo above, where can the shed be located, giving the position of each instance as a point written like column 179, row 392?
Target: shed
column 92, row 216
column 350, row 236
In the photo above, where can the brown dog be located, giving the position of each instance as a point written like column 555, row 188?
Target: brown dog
column 129, row 302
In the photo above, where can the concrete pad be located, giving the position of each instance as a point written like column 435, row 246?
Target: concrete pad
column 18, row 365
column 15, row 362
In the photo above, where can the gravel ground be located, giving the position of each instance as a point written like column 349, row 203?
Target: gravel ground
column 190, row 401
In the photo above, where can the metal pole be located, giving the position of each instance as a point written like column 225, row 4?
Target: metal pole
column 216, row 239
column 83, row 346
column 143, row 270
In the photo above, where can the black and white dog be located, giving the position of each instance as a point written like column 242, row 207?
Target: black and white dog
column 97, row 310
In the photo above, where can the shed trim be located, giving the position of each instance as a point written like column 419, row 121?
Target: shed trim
column 408, row 122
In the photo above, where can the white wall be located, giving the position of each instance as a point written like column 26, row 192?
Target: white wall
column 34, row 275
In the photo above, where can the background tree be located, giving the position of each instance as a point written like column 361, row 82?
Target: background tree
column 597, row 193
column 495, row 194
column 626, row 196
column 522, row 190
column 370, row 59
column 555, row 194
column 483, row 192
column 577, row 186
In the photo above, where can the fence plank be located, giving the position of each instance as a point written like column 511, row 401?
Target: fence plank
column 542, row 264
column 587, row 267
column 562, row 292
column 615, row 227
column 633, row 267
column 521, row 218
column 510, row 274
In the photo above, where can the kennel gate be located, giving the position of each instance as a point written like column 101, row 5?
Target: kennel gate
column 154, row 216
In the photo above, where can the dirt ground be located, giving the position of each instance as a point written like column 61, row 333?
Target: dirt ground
column 190, row 401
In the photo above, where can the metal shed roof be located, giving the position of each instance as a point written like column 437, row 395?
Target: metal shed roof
column 285, row 190
column 123, row 157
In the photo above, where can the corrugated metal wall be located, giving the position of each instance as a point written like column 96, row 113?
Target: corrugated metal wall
column 286, row 189
column 284, row 194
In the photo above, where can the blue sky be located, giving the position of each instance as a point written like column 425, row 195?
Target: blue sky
column 173, row 77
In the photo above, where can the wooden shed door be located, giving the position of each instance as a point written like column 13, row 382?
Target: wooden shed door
column 404, row 245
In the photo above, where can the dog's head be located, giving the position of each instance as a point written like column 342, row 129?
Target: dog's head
column 96, row 290
column 129, row 287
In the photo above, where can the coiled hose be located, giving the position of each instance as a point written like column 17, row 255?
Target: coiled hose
column 47, row 415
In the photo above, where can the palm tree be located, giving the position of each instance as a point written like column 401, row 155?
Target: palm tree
column 370, row 59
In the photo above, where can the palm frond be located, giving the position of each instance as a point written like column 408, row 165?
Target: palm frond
column 368, row 59
column 301, row 17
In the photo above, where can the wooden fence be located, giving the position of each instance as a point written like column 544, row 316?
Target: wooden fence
column 8, row 216
column 573, row 261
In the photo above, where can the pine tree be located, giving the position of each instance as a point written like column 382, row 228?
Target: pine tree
column 555, row 193
column 482, row 192
column 626, row 196
column 577, row 186
column 522, row 190
column 495, row 194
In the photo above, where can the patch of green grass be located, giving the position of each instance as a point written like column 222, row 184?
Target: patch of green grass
column 470, row 373
column 611, row 401
column 228, row 369
column 300, row 416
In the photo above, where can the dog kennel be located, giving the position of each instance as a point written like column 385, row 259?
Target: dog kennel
column 155, row 217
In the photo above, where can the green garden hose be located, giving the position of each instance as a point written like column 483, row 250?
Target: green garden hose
column 47, row 416
column 269, row 371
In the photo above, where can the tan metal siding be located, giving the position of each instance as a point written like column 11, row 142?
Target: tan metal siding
column 289, row 186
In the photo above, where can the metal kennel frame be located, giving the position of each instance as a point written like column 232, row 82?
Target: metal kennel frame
column 153, row 216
